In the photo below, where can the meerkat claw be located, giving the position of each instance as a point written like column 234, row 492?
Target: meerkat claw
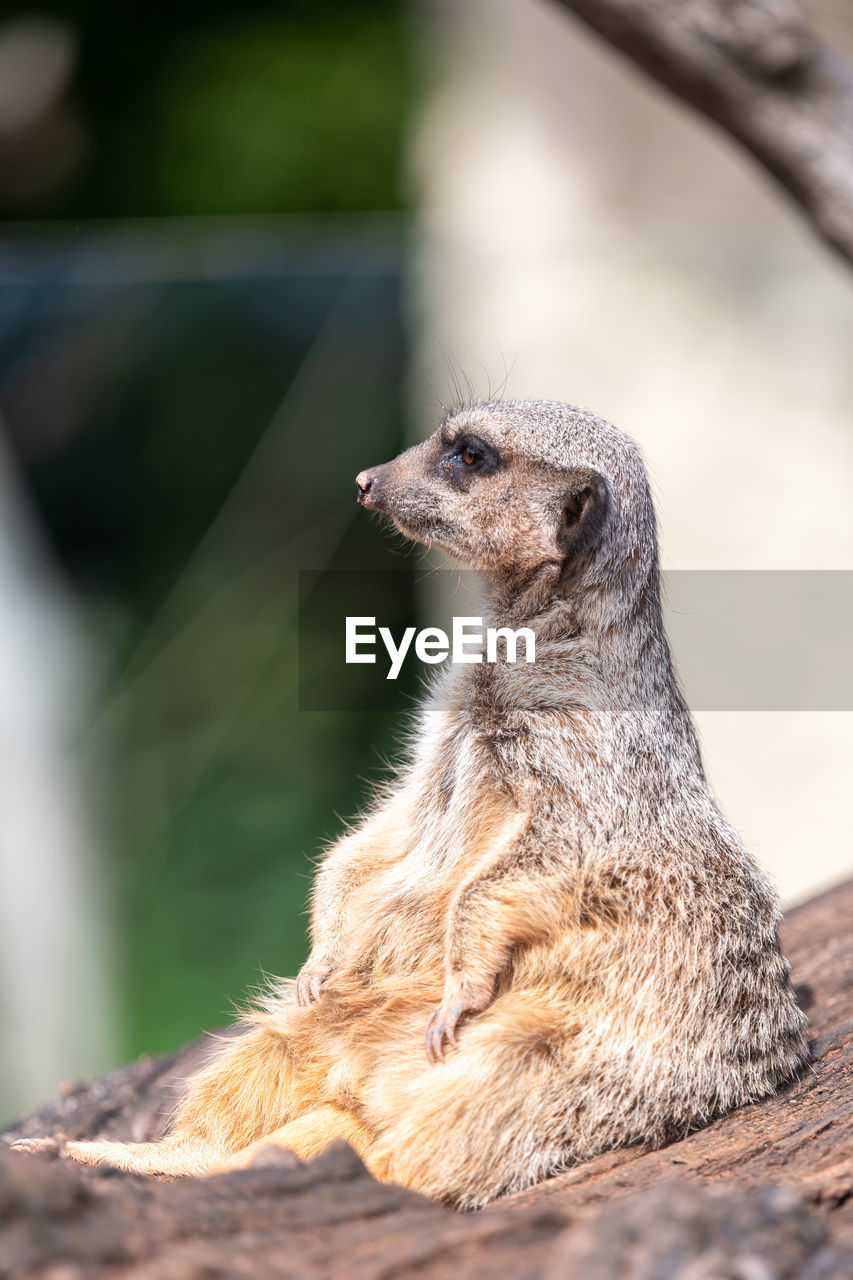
column 442, row 1025
column 433, row 1040
column 310, row 980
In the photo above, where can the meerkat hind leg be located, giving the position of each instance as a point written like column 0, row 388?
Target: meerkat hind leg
column 175, row 1157
column 305, row 1136
column 245, row 1090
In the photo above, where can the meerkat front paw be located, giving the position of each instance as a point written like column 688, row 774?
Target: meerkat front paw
column 459, row 1002
column 311, row 977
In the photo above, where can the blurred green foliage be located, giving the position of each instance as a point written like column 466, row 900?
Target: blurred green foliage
column 189, row 407
column 209, row 458
column 226, row 108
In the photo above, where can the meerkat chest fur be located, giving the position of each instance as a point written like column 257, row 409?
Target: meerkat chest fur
column 459, row 810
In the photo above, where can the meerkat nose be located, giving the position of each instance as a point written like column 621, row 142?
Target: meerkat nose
column 364, row 483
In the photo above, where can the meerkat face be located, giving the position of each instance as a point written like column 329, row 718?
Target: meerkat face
column 516, row 488
column 464, row 491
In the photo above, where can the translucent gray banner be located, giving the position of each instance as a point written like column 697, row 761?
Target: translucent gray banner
column 742, row 640
column 762, row 640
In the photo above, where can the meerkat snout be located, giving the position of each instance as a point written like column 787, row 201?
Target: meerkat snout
column 363, row 484
column 371, row 484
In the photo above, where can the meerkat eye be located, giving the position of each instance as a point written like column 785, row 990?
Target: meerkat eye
column 468, row 458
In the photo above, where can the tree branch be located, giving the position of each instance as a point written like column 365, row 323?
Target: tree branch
column 758, row 70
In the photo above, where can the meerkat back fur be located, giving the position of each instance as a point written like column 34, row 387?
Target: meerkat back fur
column 544, row 940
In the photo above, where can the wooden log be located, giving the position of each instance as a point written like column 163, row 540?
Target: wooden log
column 769, row 1186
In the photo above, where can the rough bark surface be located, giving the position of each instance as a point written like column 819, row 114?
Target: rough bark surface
column 759, row 70
column 765, row 1193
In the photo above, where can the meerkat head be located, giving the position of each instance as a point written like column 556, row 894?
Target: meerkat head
column 524, row 490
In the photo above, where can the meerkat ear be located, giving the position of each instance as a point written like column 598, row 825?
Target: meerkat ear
column 585, row 506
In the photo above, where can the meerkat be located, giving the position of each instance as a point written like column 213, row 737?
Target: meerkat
column 545, row 940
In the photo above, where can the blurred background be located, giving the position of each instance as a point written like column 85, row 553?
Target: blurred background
column 245, row 251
